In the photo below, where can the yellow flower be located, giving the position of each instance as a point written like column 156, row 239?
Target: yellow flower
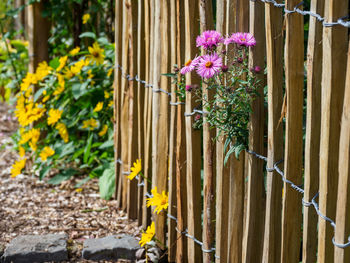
column 62, row 130
column 28, row 80
column 90, row 124
column 46, row 152
column 110, row 103
column 148, row 235
column 60, row 87
column 17, row 167
column 135, row 170
column 21, row 151
column 54, row 116
column 86, row 18
column 76, row 68
column 90, row 75
column 98, row 107
column 42, row 70
column 160, row 201
column 27, row 112
column 109, row 73
column 35, row 135
column 79, row 190
column 107, row 95
column 74, row 51
column 63, row 61
column 103, row 131
column 96, row 53
column 46, row 98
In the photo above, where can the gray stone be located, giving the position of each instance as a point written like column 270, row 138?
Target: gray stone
column 37, row 248
column 111, row 248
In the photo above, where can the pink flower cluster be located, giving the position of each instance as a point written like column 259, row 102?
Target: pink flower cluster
column 206, row 66
column 242, row 39
column 209, row 39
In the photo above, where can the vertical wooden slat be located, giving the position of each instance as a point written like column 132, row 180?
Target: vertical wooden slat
column 193, row 159
column 141, row 64
column 333, row 82
column 342, row 230
column 254, row 225
column 149, row 22
column 124, row 168
column 117, row 92
column 206, row 23
column 313, row 123
column 274, row 56
column 181, row 188
column 222, row 171
column 38, row 35
column 294, row 74
column 133, row 115
column 171, row 241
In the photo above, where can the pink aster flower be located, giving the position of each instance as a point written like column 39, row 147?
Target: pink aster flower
column 242, row 39
column 209, row 39
column 190, row 65
column 209, row 66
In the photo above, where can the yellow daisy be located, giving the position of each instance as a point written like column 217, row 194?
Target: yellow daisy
column 17, row 167
column 46, row 152
column 135, row 170
column 148, row 235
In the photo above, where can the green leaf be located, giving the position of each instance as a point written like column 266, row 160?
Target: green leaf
column 54, row 63
column 38, row 94
column 79, row 89
column 107, row 144
column 106, row 184
column 87, row 149
column 44, row 171
column 82, row 182
column 171, row 75
column 62, row 176
column 88, row 34
column 67, row 149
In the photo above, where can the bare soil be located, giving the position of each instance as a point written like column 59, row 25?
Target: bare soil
column 30, row 206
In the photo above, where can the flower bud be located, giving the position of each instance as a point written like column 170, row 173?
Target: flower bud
column 188, row 88
column 176, row 69
column 240, row 60
column 224, row 52
column 257, row 69
column 197, row 117
column 224, row 68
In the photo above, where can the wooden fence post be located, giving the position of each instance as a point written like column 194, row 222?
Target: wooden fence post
column 342, row 230
column 171, row 242
column 193, row 159
column 274, row 55
column 141, row 69
column 117, row 94
column 181, row 187
column 294, row 72
column 333, row 81
column 313, row 123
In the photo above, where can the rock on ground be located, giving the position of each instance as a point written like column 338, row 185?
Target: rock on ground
column 111, row 248
column 37, row 248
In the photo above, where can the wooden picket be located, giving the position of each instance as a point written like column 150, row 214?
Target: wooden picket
column 237, row 212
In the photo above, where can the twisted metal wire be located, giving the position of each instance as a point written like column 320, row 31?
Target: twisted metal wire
column 342, row 21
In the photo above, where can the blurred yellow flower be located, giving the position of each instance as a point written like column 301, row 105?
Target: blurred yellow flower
column 63, row 61
column 90, row 124
column 60, row 88
column 160, row 201
column 21, row 151
column 74, row 51
column 17, row 167
column 135, row 170
column 46, row 152
column 103, row 131
column 98, row 107
column 107, row 95
column 79, row 190
column 54, row 116
column 96, row 53
column 62, row 130
column 46, row 98
column 42, row 70
column 109, row 73
column 110, row 103
column 148, row 235
column 86, row 18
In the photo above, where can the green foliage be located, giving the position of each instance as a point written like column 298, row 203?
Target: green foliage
column 75, row 93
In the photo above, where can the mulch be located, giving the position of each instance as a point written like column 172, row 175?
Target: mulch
column 31, row 206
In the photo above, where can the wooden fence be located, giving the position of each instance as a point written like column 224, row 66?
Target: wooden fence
column 231, row 213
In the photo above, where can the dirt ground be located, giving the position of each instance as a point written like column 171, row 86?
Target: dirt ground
column 30, row 206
